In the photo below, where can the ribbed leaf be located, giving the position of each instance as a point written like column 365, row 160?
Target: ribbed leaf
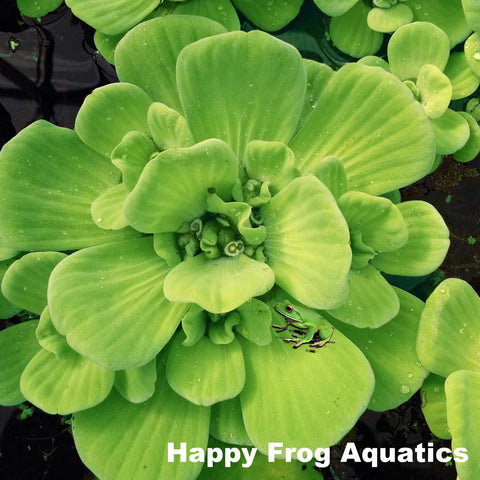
column 64, row 385
column 227, row 423
column 387, row 20
column 48, row 181
column 109, row 303
column 107, row 209
column 137, row 385
column 434, row 405
column 307, row 243
column 147, row 55
column 18, row 345
column 448, row 337
column 380, row 152
column 463, row 78
column 119, row 440
column 241, row 87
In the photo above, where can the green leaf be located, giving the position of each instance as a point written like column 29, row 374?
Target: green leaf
column 18, row 345
column 114, row 16
column 285, row 374
column 472, row 52
column 415, row 45
column 463, row 412
column 463, row 78
column 380, row 152
column 131, row 155
column 169, row 129
column 240, row 87
column 373, row 61
column 107, row 209
column 334, row 8
column 434, row 405
column 472, row 13
column 378, row 221
column 387, row 20
column 318, row 76
column 331, row 172
column 451, row 132
column 147, row 55
column 64, row 385
column 110, row 112
column 7, row 309
column 427, row 243
column 269, row 16
column 218, row 285
column 448, row 337
column 25, row 283
column 471, row 149
column 447, row 15
column 255, row 320
column 351, row 34
column 36, row 9
column 106, row 45
column 48, row 181
column 137, row 385
column 307, row 243
column 222, row 11
column 226, row 423
column 109, row 303
column 6, row 253
column 119, row 440
column 435, row 90
column 391, row 352
column 371, row 301
column 166, row 247
column 49, row 337
column 205, row 373
column 173, row 188
column 271, row 162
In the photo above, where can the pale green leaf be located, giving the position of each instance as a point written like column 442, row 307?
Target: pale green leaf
column 387, row 20
column 448, row 337
column 255, row 320
column 463, row 78
column 435, row 90
column 391, row 352
column 463, row 413
column 333, row 8
column 109, row 303
column 415, row 45
column 434, row 405
column 49, row 337
column 18, row 345
column 25, row 283
column 427, row 243
column 270, row 16
column 371, row 301
column 471, row 149
column 119, row 440
column 380, row 152
column 472, row 52
column 137, row 385
column 222, row 11
column 331, row 172
column 64, row 385
column 7, row 308
column 276, row 381
column 114, row 16
column 205, row 373
column 110, row 112
column 451, row 132
column 226, row 422
column 147, row 55
column 218, row 285
column 307, row 243
column 107, row 209
column 48, row 181
column 240, row 87
column 351, row 34
column 173, row 188
column 472, row 13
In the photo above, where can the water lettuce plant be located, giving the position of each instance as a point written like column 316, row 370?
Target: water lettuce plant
column 448, row 344
column 357, row 27
column 222, row 175
column 419, row 55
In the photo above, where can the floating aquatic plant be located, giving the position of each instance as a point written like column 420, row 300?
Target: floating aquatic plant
column 448, row 345
column 357, row 27
column 222, row 168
